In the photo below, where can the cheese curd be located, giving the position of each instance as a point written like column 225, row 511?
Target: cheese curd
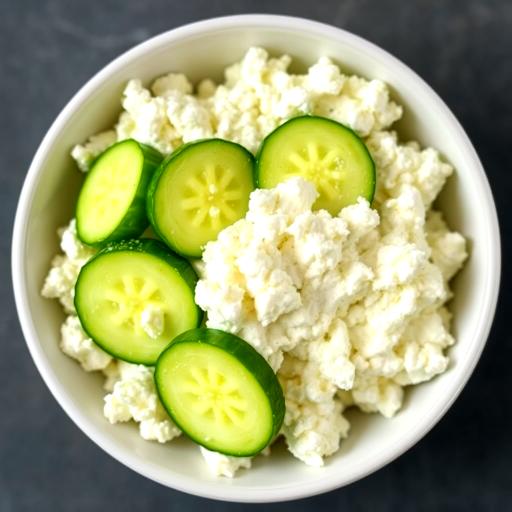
column 152, row 321
column 224, row 465
column 257, row 96
column 313, row 424
column 347, row 309
column 84, row 154
column 134, row 397
column 60, row 281
column 282, row 272
column 76, row 344
column 347, row 303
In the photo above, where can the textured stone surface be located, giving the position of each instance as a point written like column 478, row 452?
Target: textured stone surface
column 49, row 48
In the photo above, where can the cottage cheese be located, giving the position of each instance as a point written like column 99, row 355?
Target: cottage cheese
column 347, row 310
column 281, row 273
column 152, row 321
column 134, row 397
column 223, row 465
column 59, row 284
column 60, row 281
column 76, row 344
column 258, row 95
column 85, row 154
column 348, row 303
column 314, row 423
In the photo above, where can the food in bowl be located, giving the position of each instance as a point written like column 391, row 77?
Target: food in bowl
column 347, row 308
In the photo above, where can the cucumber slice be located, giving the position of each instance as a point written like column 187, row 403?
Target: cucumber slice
column 112, row 202
column 199, row 190
column 220, row 392
column 320, row 150
column 116, row 286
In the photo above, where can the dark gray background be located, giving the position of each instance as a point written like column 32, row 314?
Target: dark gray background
column 48, row 49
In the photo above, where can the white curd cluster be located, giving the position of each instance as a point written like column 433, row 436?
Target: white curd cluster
column 347, row 309
column 60, row 281
column 133, row 397
column 257, row 96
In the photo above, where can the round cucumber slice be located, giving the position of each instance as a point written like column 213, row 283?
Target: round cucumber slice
column 322, row 151
column 118, row 284
column 199, row 190
column 220, row 392
column 112, row 202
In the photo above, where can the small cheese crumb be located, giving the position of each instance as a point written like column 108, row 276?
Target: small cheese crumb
column 224, row 465
column 152, row 321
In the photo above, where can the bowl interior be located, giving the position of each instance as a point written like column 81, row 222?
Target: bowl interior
column 50, row 202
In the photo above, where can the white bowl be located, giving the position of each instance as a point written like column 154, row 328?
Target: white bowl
column 203, row 50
